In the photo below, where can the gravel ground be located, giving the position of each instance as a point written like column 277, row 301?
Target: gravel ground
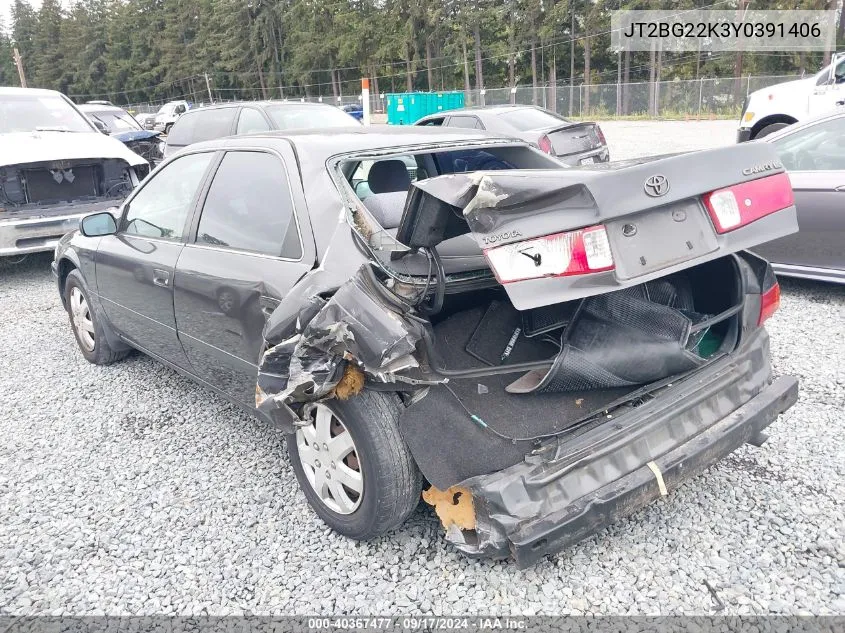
column 128, row 489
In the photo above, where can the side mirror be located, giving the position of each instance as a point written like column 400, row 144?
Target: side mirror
column 98, row 224
column 101, row 126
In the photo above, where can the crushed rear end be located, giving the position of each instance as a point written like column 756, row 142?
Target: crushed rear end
column 613, row 348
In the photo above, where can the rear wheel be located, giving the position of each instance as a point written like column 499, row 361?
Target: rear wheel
column 770, row 129
column 354, row 467
column 85, row 324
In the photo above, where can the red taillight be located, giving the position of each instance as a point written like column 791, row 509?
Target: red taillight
column 601, row 135
column 559, row 255
column 734, row 207
column 769, row 303
column 545, row 144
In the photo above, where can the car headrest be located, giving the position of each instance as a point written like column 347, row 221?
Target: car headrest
column 387, row 176
column 387, row 208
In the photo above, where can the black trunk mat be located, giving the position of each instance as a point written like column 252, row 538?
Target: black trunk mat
column 447, row 445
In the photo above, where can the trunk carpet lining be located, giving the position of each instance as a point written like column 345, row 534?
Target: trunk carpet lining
column 448, row 446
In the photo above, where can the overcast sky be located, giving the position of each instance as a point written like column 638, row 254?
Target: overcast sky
column 6, row 10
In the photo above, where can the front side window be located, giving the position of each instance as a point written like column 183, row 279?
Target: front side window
column 819, row 147
column 249, row 207
column 464, row 121
column 161, row 207
column 250, row 121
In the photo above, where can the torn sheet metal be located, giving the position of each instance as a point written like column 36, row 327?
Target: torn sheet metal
column 352, row 327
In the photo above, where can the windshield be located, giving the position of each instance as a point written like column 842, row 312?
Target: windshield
column 532, row 119
column 167, row 108
column 117, row 121
column 287, row 117
column 28, row 113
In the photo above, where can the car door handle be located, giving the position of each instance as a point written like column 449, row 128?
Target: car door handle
column 161, row 277
column 840, row 188
column 268, row 304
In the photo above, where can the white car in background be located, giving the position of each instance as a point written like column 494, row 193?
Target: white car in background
column 168, row 114
column 771, row 109
column 55, row 167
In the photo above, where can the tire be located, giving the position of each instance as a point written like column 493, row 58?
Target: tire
column 85, row 324
column 167, row 128
column 770, row 129
column 391, row 483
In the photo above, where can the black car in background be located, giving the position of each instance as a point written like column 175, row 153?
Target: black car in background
column 574, row 143
column 229, row 119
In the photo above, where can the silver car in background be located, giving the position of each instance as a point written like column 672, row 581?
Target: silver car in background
column 571, row 142
column 814, row 155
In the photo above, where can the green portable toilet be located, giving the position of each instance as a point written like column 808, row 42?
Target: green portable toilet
column 405, row 108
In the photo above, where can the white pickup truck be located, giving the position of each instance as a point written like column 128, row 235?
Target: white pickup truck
column 770, row 109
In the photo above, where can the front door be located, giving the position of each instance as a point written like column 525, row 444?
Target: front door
column 135, row 267
column 248, row 249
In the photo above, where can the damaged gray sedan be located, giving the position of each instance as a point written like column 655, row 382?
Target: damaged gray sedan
column 543, row 350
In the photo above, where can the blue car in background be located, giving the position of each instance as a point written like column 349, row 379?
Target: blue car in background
column 118, row 123
column 354, row 109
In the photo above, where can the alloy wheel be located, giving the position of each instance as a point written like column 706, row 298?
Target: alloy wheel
column 80, row 316
column 330, row 461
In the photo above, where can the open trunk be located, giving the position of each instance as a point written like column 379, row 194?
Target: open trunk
column 591, row 356
column 618, row 338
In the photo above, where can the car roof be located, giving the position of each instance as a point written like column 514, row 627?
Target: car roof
column 318, row 144
column 99, row 107
column 11, row 91
column 267, row 102
column 493, row 110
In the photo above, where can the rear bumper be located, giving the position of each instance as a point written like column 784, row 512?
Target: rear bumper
column 39, row 231
column 561, row 495
column 743, row 134
column 598, row 155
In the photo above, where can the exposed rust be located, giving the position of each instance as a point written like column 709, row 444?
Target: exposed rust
column 453, row 506
column 350, row 383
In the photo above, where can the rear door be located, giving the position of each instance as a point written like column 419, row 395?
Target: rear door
column 250, row 243
column 135, row 267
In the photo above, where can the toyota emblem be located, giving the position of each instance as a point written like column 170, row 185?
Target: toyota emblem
column 656, row 186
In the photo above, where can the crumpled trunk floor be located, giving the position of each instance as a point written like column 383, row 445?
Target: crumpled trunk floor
column 448, row 446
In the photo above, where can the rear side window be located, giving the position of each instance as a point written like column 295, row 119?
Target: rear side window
column 250, row 121
column 202, row 125
column 249, row 207
column 464, row 122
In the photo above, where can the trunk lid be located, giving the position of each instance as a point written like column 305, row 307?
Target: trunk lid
column 573, row 138
column 653, row 212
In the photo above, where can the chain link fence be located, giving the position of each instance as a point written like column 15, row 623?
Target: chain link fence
column 680, row 98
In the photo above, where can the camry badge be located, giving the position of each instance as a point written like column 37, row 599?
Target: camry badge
column 657, row 185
